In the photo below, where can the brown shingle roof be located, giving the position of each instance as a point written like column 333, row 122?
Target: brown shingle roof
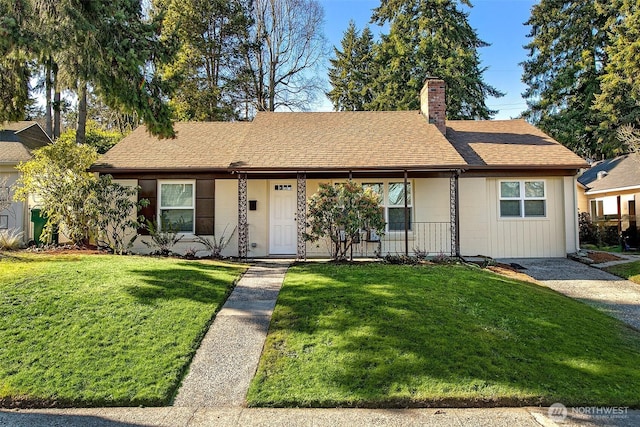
column 505, row 143
column 18, row 138
column 197, row 145
column 623, row 172
column 17, row 126
column 13, row 153
column 345, row 140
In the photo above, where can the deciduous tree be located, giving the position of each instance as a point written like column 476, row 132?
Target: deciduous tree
column 286, row 45
column 340, row 213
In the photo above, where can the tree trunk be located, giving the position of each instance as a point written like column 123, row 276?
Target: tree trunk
column 56, row 103
column 82, row 114
column 47, row 93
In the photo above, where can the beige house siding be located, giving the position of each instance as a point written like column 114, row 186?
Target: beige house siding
column 527, row 237
column 583, row 199
column 571, row 212
column 482, row 231
column 17, row 214
column 474, row 217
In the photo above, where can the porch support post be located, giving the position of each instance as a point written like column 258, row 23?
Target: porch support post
column 301, row 216
column 454, row 212
column 243, row 226
column 618, row 204
column 406, row 213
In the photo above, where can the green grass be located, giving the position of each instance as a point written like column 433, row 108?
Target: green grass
column 630, row 270
column 93, row 330
column 399, row 336
column 610, row 248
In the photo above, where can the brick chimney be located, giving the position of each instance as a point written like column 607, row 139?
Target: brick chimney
column 432, row 103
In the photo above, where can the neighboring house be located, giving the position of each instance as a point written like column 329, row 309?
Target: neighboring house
column 610, row 189
column 495, row 188
column 17, row 139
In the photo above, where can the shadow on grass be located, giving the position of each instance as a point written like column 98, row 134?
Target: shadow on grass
column 189, row 280
column 386, row 336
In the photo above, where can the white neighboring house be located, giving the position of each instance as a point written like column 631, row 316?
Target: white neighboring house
column 17, row 140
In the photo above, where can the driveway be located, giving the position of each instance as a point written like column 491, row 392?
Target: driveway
column 617, row 297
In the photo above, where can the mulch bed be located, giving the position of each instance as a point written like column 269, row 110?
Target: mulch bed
column 599, row 257
column 510, row 272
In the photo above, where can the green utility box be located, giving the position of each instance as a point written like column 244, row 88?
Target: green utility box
column 38, row 224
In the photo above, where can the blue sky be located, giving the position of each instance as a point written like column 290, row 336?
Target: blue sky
column 498, row 22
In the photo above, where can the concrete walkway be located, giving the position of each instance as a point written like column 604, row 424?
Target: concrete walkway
column 227, row 359
column 199, row 417
column 617, row 297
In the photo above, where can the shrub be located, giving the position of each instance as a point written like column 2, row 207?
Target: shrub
column 112, row 210
column 401, row 259
column 57, row 175
column 215, row 245
column 10, row 239
column 340, row 212
column 164, row 240
column 442, row 259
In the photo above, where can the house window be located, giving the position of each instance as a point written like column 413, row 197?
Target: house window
column 176, row 208
column 523, row 199
column 4, row 194
column 393, row 203
column 395, row 206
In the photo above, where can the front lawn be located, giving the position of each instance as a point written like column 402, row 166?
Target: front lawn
column 93, row 330
column 629, row 270
column 395, row 336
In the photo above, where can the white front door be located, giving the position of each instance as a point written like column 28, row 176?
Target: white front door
column 283, row 238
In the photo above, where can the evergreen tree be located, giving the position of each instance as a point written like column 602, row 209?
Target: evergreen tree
column 15, row 59
column 211, row 36
column 430, row 38
column 619, row 101
column 566, row 60
column 351, row 70
column 108, row 46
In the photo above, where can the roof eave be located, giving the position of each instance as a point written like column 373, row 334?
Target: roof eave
column 525, row 167
column 613, row 190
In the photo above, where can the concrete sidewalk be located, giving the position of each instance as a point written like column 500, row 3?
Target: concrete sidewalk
column 197, row 417
column 227, row 359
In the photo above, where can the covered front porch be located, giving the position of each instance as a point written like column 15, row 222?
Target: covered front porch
column 421, row 210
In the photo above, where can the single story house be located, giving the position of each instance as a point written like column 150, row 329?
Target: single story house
column 609, row 191
column 17, row 140
column 494, row 188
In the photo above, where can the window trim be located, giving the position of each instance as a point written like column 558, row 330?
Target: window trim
column 192, row 208
column 522, row 198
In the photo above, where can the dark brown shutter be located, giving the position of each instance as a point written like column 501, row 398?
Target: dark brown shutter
column 205, row 206
column 149, row 191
